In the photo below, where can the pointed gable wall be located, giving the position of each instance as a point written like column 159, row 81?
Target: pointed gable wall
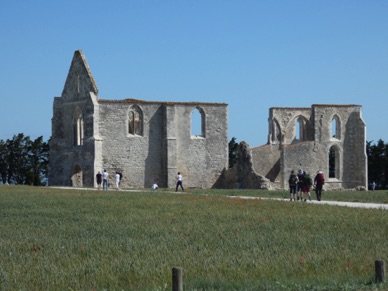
column 79, row 82
column 74, row 127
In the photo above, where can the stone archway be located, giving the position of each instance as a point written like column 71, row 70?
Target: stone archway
column 76, row 178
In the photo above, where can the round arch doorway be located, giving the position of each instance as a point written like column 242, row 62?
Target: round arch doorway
column 76, row 178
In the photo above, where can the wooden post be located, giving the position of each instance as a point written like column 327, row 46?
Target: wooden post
column 380, row 271
column 177, row 283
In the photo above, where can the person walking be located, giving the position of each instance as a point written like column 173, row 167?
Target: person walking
column 179, row 182
column 99, row 180
column 307, row 183
column 105, row 183
column 299, row 189
column 292, row 182
column 319, row 181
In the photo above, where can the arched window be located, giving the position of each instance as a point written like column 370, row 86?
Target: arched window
column 198, row 123
column 300, row 129
column 135, row 121
column 335, row 127
column 297, row 130
column 78, row 128
column 334, row 162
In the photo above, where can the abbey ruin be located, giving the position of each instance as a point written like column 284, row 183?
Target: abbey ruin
column 151, row 141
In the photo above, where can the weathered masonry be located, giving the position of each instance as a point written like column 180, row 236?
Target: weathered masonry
column 147, row 141
column 331, row 138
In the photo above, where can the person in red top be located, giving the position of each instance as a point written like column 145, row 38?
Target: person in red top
column 319, row 181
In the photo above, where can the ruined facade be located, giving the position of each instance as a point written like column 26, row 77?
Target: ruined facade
column 147, row 141
column 331, row 138
column 151, row 141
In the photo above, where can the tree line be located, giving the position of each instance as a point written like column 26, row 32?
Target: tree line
column 23, row 161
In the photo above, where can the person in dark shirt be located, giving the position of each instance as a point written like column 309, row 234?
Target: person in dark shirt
column 99, row 180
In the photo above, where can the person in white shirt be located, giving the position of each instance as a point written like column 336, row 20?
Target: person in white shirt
column 105, row 183
column 117, row 177
column 179, row 182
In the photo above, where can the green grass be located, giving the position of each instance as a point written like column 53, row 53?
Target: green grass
column 52, row 239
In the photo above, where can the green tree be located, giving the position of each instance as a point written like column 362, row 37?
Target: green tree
column 377, row 162
column 23, row 161
column 38, row 158
column 17, row 157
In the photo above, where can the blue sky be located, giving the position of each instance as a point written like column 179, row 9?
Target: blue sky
column 252, row 55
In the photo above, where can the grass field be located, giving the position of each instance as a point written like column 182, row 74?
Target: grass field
column 54, row 239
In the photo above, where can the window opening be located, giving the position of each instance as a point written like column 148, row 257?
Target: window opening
column 78, row 129
column 333, row 162
column 135, row 122
column 335, row 128
column 299, row 129
column 197, row 123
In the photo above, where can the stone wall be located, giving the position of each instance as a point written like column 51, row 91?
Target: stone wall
column 164, row 148
column 266, row 160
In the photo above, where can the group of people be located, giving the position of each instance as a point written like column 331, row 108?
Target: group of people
column 103, row 179
column 300, row 185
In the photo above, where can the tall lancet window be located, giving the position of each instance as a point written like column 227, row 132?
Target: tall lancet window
column 135, row 121
column 300, row 129
column 78, row 128
column 334, row 162
column 198, row 123
column 335, row 127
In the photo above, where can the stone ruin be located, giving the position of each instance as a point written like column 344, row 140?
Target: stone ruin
column 151, row 141
column 326, row 137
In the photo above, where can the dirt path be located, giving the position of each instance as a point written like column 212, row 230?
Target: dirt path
column 338, row 203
